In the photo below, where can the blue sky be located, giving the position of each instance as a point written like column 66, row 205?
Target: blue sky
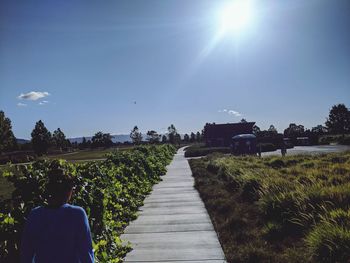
column 95, row 59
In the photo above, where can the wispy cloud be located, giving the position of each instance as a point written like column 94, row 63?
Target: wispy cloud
column 33, row 95
column 20, row 104
column 43, row 102
column 231, row 112
column 235, row 113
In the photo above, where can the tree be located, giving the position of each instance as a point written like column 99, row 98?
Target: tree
column 153, row 136
column 186, row 138
column 83, row 144
column 192, row 137
column 338, row 121
column 294, row 131
column 59, row 139
column 177, row 138
column 256, row 130
column 319, row 129
column 272, row 129
column 41, row 138
column 7, row 139
column 198, row 137
column 136, row 135
column 164, row 139
column 101, row 139
column 172, row 132
column 107, row 140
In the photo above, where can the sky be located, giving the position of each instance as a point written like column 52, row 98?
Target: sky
column 86, row 66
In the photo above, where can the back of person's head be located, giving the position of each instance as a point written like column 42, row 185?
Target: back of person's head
column 59, row 185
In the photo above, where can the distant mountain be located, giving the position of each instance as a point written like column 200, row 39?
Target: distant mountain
column 115, row 138
column 22, row 141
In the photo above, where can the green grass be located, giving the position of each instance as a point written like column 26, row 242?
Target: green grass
column 292, row 209
column 85, row 154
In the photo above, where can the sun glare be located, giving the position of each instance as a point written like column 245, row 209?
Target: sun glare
column 235, row 16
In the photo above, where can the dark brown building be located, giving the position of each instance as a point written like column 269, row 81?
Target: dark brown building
column 221, row 134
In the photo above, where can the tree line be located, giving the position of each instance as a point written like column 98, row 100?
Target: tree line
column 338, row 122
column 42, row 140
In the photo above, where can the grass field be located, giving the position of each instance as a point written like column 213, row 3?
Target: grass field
column 273, row 209
column 86, row 154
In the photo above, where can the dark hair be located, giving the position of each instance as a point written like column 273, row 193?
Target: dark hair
column 59, row 183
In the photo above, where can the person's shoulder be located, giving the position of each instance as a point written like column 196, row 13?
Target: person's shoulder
column 36, row 210
column 76, row 209
column 35, row 213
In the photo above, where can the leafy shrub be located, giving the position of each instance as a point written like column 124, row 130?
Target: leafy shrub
column 110, row 191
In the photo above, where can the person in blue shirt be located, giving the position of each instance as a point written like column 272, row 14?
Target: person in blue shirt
column 58, row 232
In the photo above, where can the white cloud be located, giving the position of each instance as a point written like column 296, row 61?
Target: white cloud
column 235, row 113
column 19, row 104
column 43, row 102
column 33, row 95
column 231, row 112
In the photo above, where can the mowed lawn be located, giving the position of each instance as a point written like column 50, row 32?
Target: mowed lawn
column 274, row 209
column 83, row 155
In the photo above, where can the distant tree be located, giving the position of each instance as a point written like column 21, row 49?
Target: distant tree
column 256, row 130
column 198, row 137
column 172, row 132
column 294, row 131
column 243, row 120
column 7, row 139
column 177, row 138
column 83, row 144
column 153, row 136
column 338, row 121
column 101, row 139
column 164, row 139
column 186, row 138
column 192, row 137
column 272, row 129
column 319, row 129
column 41, row 138
column 136, row 135
column 97, row 140
column 107, row 140
column 59, row 139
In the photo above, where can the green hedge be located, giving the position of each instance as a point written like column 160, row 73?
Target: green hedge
column 110, row 191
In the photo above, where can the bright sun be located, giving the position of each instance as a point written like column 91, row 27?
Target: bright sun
column 235, row 16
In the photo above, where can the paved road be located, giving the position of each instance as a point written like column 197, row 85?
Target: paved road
column 173, row 225
column 311, row 150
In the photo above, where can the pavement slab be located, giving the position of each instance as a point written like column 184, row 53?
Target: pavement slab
column 173, row 225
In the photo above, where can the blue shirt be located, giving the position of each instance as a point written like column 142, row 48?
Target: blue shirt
column 57, row 235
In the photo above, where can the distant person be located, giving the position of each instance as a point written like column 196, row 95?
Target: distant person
column 58, row 232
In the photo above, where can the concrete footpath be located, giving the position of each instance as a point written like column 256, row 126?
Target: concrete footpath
column 173, row 225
